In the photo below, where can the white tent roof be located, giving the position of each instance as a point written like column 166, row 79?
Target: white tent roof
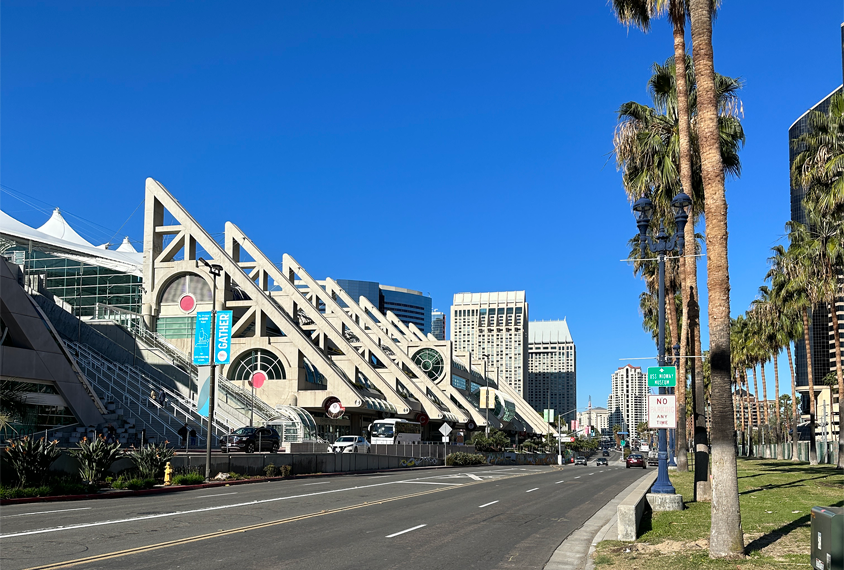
column 126, row 247
column 72, row 245
column 58, row 227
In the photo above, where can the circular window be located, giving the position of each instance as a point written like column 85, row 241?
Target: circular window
column 187, row 303
column 430, row 361
column 253, row 363
column 258, row 379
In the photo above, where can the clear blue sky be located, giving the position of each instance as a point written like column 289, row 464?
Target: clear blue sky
column 439, row 146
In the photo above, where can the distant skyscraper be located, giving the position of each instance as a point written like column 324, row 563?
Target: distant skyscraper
column 552, row 375
column 495, row 324
column 408, row 305
column 628, row 402
column 438, row 324
column 820, row 328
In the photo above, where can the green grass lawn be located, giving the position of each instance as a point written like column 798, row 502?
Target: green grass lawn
column 776, row 503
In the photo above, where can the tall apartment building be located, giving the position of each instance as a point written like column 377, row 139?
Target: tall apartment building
column 552, row 377
column 628, row 402
column 495, row 324
column 820, row 328
column 438, row 324
column 408, row 305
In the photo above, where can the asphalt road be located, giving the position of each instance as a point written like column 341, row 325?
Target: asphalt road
column 483, row 517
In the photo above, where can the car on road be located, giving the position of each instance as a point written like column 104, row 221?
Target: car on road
column 580, row 460
column 602, row 461
column 351, row 444
column 636, row 460
column 653, row 458
column 606, row 453
column 250, row 440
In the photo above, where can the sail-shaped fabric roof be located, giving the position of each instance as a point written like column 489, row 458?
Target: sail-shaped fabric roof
column 126, row 247
column 58, row 227
column 76, row 247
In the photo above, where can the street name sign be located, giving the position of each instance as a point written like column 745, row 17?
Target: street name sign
column 662, row 412
column 662, row 376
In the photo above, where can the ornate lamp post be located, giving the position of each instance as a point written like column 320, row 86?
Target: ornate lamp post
column 643, row 209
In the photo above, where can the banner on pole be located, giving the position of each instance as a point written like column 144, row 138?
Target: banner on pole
column 223, row 336
column 202, row 339
column 204, row 381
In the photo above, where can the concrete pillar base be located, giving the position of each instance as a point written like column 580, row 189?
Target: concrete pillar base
column 672, row 468
column 664, row 502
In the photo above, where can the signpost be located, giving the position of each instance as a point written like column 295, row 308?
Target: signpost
column 445, row 429
column 662, row 376
column 662, row 411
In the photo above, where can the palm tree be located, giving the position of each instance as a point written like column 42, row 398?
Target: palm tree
column 725, row 537
column 819, row 166
column 647, row 147
column 820, row 249
column 775, row 338
column 790, row 301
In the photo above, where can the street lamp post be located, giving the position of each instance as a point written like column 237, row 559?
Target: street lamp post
column 643, row 208
column 215, row 270
column 486, row 381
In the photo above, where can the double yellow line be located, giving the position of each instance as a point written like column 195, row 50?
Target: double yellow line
column 188, row 540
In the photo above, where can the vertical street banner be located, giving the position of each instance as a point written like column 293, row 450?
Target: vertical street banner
column 202, row 339
column 548, row 415
column 223, row 337
column 204, row 382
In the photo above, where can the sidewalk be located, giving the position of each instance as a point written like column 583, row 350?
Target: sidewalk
column 575, row 552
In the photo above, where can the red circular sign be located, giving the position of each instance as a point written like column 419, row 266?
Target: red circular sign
column 333, row 407
column 187, row 303
column 422, row 419
column 258, row 379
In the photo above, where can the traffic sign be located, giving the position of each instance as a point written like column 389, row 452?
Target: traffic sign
column 662, row 411
column 662, row 376
column 445, row 439
column 445, row 429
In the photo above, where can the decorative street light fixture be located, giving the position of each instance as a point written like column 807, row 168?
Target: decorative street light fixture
column 643, row 209
column 215, row 271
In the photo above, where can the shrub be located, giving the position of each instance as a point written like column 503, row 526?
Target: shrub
column 270, row 470
column 138, row 484
column 460, row 458
column 284, row 470
column 233, row 475
column 188, row 479
column 150, row 459
column 95, row 457
column 30, row 459
column 56, row 486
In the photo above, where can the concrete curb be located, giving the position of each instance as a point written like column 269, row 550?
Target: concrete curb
column 575, row 551
column 174, row 489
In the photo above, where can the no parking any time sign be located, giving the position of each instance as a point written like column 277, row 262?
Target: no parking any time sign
column 662, row 412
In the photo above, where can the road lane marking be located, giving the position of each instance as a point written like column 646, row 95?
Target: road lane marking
column 591, row 474
column 532, row 490
column 218, row 495
column 487, row 504
column 558, row 482
column 430, row 483
column 46, row 512
column 404, row 531
column 578, row 477
column 319, row 483
column 220, row 507
column 473, row 476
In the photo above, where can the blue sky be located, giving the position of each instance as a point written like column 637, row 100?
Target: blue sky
column 440, row 146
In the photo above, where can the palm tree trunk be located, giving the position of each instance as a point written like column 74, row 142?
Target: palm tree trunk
column 680, row 449
column 840, row 374
column 764, row 407
column 813, row 452
column 777, row 399
column 749, row 432
column 758, row 414
column 794, row 421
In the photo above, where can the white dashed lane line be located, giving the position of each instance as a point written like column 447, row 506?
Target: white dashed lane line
column 47, row 512
column 405, row 530
column 558, row 482
column 487, row 504
column 531, row 490
column 217, row 495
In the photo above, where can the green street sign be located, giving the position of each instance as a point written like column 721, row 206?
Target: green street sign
column 662, row 376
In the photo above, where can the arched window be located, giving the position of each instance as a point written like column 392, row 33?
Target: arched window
column 252, row 361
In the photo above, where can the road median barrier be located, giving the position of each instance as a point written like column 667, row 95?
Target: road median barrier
column 632, row 507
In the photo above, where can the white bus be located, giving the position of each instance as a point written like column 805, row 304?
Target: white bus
column 395, row 431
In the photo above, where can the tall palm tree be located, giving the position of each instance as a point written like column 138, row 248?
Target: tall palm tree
column 775, row 338
column 819, row 166
column 725, row 537
column 791, row 302
column 820, row 249
column 647, row 148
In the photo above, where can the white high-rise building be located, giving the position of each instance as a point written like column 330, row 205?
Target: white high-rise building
column 628, row 402
column 496, row 325
column 552, row 365
column 598, row 418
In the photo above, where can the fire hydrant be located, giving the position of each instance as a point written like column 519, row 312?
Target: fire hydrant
column 168, row 473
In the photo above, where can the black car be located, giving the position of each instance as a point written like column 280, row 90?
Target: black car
column 251, row 439
column 601, row 461
column 606, row 453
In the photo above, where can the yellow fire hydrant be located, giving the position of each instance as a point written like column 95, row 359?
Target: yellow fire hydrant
column 168, row 473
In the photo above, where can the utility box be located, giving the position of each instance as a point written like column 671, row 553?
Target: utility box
column 828, row 538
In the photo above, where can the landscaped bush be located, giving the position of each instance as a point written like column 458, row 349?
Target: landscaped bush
column 30, row 458
column 54, row 486
column 188, row 479
column 460, row 458
column 270, row 470
column 151, row 459
column 95, row 458
column 284, row 470
column 135, row 484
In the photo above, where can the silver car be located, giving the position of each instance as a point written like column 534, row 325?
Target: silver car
column 351, row 444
